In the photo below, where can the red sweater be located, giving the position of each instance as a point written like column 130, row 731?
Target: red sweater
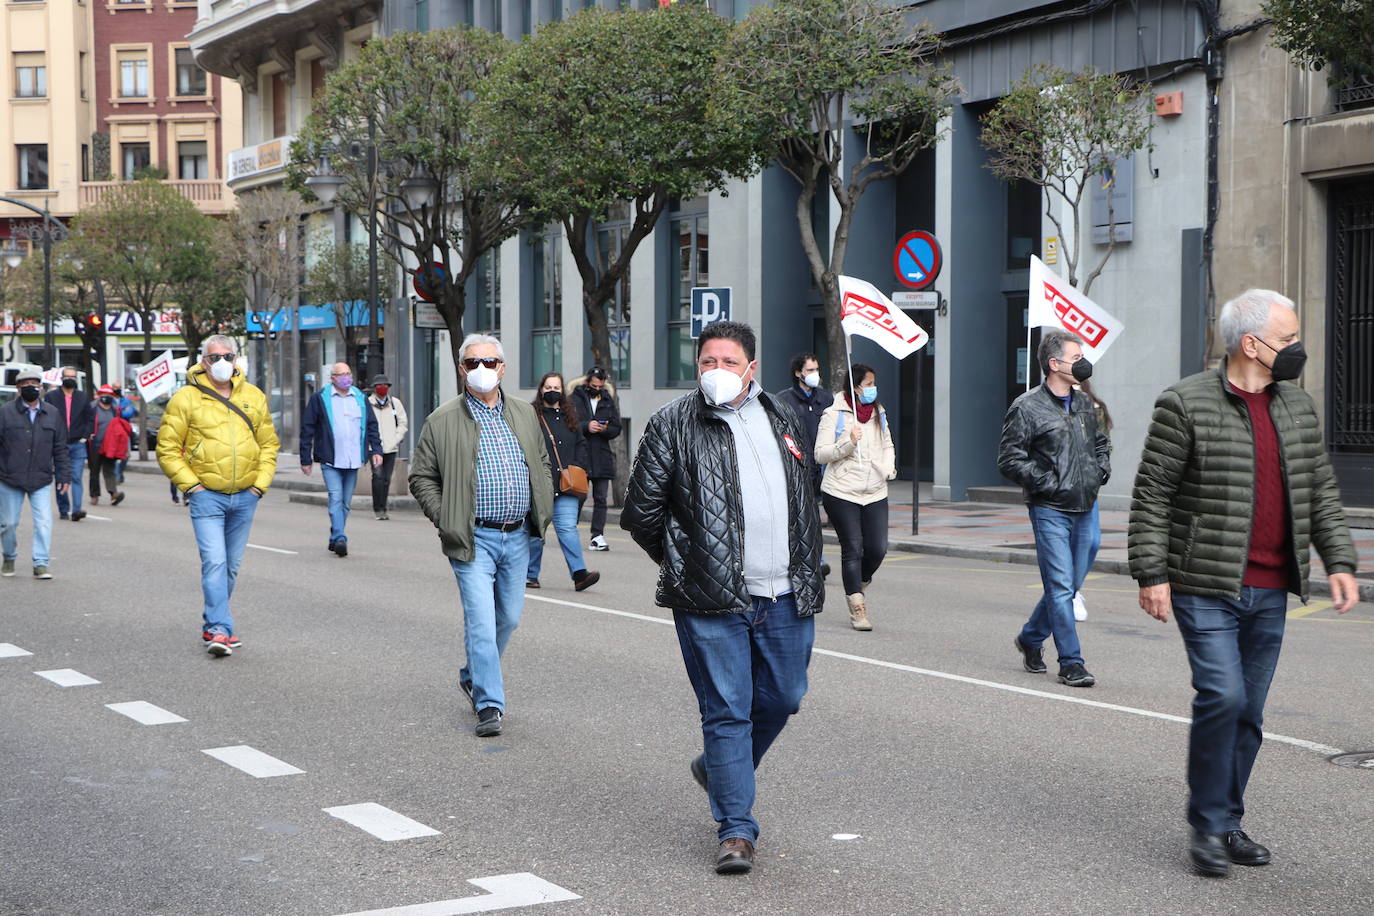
column 1270, row 561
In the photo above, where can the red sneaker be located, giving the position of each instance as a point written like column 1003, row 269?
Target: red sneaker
column 219, row 646
column 234, row 641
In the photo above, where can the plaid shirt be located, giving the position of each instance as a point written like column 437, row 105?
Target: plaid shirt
column 503, row 476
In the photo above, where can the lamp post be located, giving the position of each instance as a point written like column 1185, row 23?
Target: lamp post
column 47, row 235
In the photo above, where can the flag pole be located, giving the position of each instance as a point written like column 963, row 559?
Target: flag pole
column 1028, row 351
column 849, row 382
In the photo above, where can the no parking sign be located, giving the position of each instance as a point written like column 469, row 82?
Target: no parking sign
column 918, row 259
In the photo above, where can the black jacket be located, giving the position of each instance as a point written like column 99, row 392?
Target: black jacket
column 83, row 413
column 1060, row 459
column 600, row 459
column 568, row 444
column 683, row 507
column 809, row 410
column 32, row 454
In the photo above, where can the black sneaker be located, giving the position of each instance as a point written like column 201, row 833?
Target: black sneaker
column 1244, row 851
column 340, row 548
column 1033, row 660
column 78, row 516
column 699, row 771
column 489, row 722
column 1075, row 675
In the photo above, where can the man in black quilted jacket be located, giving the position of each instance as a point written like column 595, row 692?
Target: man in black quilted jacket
column 721, row 498
column 1234, row 489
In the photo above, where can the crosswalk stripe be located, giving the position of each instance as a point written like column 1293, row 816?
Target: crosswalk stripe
column 10, row 650
column 252, row 761
column 66, row 677
column 145, row 713
column 380, row 821
column 504, row 892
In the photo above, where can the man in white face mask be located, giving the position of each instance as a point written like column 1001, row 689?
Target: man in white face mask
column 485, row 510
column 218, row 446
column 721, row 497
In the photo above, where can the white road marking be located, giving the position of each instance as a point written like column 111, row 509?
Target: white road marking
column 381, row 822
column 844, row 836
column 145, row 713
column 66, row 677
column 252, row 761
column 10, row 650
column 100, row 518
column 274, row 549
column 504, row 892
column 1323, row 749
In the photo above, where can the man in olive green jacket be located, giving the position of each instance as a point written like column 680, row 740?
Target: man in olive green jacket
column 1234, row 489
column 481, row 475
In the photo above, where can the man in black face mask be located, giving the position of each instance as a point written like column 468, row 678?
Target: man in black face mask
column 33, row 452
column 1234, row 489
column 75, row 412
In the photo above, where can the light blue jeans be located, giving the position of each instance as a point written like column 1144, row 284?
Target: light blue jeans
column 221, row 522
column 492, row 588
column 40, row 506
column 340, row 483
column 70, row 501
column 565, row 512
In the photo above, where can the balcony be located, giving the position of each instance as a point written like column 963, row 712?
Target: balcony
column 209, row 195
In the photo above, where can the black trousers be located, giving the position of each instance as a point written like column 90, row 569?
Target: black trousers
column 103, row 467
column 381, row 481
column 600, row 487
column 862, row 531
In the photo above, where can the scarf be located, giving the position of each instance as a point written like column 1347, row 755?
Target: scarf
column 863, row 412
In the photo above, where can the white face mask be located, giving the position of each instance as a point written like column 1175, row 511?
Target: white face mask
column 812, row 379
column 483, row 380
column 222, row 371
column 721, row 386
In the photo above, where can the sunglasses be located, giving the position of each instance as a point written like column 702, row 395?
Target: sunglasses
column 213, row 358
column 491, row 362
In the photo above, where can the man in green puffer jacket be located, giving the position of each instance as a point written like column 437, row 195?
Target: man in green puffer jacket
column 1234, row 489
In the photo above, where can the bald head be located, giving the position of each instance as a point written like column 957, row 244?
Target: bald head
column 341, row 375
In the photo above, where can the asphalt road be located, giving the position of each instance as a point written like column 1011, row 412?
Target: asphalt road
column 968, row 786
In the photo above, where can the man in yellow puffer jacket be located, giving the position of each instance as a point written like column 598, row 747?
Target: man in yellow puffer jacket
column 217, row 445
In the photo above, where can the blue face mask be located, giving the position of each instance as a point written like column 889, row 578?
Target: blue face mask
column 868, row 395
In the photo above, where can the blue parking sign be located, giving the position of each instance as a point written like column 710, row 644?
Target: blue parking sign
column 709, row 305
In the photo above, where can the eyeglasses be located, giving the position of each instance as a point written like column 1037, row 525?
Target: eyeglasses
column 213, row 358
column 491, row 362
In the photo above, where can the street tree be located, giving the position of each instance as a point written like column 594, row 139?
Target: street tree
column 1332, row 35
column 73, row 298
column 1064, row 131
column 796, row 72
column 610, row 111
column 209, row 290
column 337, row 277
column 414, row 92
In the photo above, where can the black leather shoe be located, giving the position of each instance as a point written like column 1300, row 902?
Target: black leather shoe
column 736, row 857
column 1243, row 850
column 1033, row 660
column 1210, row 855
column 699, row 771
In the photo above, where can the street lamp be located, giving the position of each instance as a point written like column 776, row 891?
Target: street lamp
column 12, row 254
column 51, row 231
column 419, row 193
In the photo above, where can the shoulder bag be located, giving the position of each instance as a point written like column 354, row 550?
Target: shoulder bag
column 572, row 479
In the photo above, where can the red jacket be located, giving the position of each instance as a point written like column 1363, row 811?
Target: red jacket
column 117, row 436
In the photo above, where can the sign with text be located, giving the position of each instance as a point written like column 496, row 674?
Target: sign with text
column 709, row 305
column 156, row 378
column 1054, row 303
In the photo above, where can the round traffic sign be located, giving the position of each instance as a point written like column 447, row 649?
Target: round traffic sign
column 424, row 290
column 918, row 259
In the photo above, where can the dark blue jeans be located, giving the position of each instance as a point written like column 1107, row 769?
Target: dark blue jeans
column 1065, row 543
column 749, row 674
column 1233, row 648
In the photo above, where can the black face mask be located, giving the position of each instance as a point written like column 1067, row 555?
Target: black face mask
column 1288, row 362
column 29, row 393
column 552, row 398
column 107, row 401
column 1082, row 370
column 69, row 384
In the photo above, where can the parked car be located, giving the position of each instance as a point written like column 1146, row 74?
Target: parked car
column 8, row 393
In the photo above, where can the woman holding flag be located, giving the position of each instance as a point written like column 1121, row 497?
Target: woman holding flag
column 854, row 446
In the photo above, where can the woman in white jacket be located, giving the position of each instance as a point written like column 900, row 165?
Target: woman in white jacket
column 854, row 446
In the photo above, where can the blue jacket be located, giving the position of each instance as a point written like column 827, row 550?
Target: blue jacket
column 317, row 428
column 127, row 410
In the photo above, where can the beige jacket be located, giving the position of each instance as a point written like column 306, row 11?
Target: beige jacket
column 855, row 471
column 392, row 424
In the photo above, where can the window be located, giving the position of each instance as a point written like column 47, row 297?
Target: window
column 317, row 77
column 278, row 105
column 690, row 266
column 610, row 241
column 193, row 160
column 190, row 78
column 496, row 25
column 526, row 17
column 135, row 156
column 85, row 162
column 546, row 328
column 487, row 303
column 30, row 75
column 422, row 15
column 33, row 166
column 81, row 72
column 133, row 75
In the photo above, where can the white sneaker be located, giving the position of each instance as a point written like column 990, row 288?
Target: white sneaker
column 599, row 543
column 1080, row 607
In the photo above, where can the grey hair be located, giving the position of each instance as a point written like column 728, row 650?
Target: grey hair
column 477, row 340
column 73, row 368
column 1248, row 313
column 1052, row 347
column 222, row 340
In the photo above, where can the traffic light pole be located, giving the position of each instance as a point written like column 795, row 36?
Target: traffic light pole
column 104, row 341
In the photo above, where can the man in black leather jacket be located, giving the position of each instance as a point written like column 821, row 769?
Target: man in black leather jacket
column 1052, row 446
column 721, row 498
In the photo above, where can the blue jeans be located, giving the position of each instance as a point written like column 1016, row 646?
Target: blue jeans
column 40, row 506
column 749, row 674
column 340, row 483
column 492, row 588
column 1233, row 648
column 565, row 512
column 1065, row 543
column 221, row 522
column 67, row 504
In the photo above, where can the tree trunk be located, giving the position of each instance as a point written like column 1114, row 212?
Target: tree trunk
column 453, row 305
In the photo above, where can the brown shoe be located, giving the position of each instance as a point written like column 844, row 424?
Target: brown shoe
column 588, row 578
column 858, row 612
column 736, row 857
